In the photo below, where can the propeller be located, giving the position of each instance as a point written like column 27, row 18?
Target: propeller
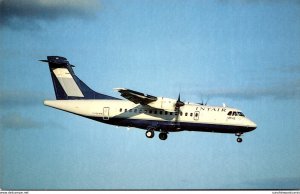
column 179, row 103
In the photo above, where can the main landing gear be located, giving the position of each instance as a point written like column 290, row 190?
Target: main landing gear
column 163, row 136
column 239, row 139
column 150, row 134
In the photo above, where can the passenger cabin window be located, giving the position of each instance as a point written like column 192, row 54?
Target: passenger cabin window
column 150, row 111
column 160, row 112
column 171, row 113
column 155, row 112
column 130, row 110
column 166, row 113
column 120, row 109
column 141, row 110
column 125, row 110
column 186, row 114
column 135, row 110
column 180, row 113
column 191, row 114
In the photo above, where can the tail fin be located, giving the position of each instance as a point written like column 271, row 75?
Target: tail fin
column 67, row 85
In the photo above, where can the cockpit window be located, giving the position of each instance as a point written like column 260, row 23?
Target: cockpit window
column 234, row 113
column 241, row 114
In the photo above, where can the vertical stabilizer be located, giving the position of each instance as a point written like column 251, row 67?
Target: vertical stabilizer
column 66, row 84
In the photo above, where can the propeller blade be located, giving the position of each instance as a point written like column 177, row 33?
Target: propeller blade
column 179, row 103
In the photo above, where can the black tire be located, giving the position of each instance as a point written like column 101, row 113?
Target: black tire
column 239, row 140
column 149, row 134
column 163, row 136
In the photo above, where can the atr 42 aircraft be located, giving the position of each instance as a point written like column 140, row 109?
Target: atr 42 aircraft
column 140, row 110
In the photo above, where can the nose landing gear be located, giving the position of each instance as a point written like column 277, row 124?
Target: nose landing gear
column 239, row 139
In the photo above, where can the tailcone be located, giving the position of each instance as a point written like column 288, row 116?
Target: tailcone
column 58, row 104
column 79, row 107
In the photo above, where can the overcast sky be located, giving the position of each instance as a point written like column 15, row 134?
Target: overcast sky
column 242, row 53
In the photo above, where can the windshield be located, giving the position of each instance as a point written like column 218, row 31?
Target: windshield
column 235, row 113
column 241, row 114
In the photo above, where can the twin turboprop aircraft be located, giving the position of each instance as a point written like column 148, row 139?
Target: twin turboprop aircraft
column 154, row 114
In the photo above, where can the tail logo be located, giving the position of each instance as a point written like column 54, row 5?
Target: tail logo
column 67, row 82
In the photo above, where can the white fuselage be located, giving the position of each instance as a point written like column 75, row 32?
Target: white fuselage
column 191, row 117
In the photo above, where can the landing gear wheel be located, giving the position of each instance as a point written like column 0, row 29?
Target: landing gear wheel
column 163, row 136
column 150, row 134
column 239, row 140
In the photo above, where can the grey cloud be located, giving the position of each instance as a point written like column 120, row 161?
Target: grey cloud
column 13, row 99
column 290, row 69
column 274, row 183
column 290, row 90
column 14, row 13
column 17, row 121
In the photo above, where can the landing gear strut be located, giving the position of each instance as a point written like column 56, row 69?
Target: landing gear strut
column 239, row 139
column 163, row 136
column 150, row 133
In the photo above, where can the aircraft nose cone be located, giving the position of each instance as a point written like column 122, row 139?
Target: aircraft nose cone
column 252, row 125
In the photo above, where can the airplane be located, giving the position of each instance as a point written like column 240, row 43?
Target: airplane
column 139, row 110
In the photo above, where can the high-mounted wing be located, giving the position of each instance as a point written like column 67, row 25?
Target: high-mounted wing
column 136, row 97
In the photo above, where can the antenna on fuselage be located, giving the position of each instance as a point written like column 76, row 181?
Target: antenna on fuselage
column 202, row 101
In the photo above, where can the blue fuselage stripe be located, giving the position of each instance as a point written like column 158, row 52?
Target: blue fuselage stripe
column 174, row 126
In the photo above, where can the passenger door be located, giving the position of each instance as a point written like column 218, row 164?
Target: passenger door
column 106, row 113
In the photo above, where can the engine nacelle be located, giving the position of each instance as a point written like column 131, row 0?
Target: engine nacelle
column 167, row 104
